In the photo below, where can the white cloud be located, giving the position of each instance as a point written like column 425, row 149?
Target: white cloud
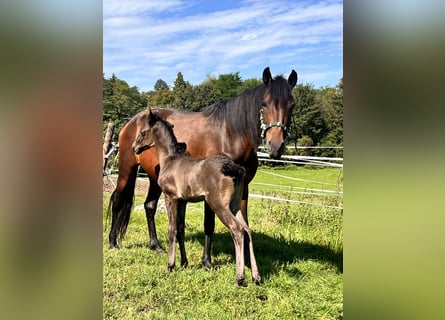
column 158, row 36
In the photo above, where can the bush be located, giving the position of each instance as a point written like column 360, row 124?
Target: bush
column 305, row 141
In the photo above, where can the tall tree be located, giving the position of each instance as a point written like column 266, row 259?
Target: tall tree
column 183, row 93
column 203, row 95
column 248, row 84
column 120, row 101
column 160, row 85
column 304, row 96
column 227, row 85
column 162, row 98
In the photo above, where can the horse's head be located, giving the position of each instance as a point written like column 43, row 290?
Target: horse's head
column 276, row 111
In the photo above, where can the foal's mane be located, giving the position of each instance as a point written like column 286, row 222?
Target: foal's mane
column 241, row 114
column 164, row 132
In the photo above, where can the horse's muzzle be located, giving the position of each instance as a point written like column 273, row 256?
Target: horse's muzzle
column 275, row 151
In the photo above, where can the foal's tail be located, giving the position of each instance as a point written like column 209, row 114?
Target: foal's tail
column 238, row 173
column 234, row 170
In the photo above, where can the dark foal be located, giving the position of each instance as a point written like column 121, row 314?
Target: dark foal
column 215, row 179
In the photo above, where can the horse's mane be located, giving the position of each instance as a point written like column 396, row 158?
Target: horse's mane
column 242, row 113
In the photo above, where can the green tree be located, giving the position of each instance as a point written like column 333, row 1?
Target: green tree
column 160, row 85
column 248, row 84
column 120, row 101
column 330, row 102
column 161, row 98
column 183, row 93
column 227, row 85
column 304, row 96
column 203, row 96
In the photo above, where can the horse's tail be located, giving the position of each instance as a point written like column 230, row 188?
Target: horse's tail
column 120, row 205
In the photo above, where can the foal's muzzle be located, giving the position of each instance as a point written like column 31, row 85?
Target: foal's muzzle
column 139, row 150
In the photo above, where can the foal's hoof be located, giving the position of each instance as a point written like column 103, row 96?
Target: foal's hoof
column 240, row 282
column 113, row 246
column 257, row 280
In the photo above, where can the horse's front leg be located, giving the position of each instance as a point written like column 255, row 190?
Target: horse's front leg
column 150, row 205
column 180, row 227
column 172, row 206
column 209, row 229
column 244, row 201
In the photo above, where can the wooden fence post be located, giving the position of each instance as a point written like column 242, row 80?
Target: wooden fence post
column 107, row 142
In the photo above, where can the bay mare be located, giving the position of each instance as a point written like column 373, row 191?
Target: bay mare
column 182, row 178
column 233, row 128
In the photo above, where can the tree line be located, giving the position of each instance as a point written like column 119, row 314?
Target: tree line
column 317, row 119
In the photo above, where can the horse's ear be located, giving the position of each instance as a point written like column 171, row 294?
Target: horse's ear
column 292, row 78
column 148, row 112
column 267, row 76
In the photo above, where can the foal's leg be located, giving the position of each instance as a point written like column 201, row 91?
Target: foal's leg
column 172, row 205
column 180, row 235
column 237, row 233
column 150, row 205
column 209, row 229
column 255, row 274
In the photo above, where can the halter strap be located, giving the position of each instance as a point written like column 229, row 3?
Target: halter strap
column 266, row 126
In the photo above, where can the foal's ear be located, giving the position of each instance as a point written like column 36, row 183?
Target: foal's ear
column 148, row 112
column 267, row 76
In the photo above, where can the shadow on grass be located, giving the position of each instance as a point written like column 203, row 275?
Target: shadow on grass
column 274, row 254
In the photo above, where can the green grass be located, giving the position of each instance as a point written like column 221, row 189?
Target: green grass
column 298, row 249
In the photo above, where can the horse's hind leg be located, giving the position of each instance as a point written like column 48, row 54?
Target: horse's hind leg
column 150, row 205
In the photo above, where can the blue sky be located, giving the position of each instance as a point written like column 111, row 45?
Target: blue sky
column 144, row 41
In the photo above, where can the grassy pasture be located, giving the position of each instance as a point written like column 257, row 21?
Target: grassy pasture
column 298, row 247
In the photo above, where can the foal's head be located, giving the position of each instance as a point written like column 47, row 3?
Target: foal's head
column 159, row 129
column 276, row 110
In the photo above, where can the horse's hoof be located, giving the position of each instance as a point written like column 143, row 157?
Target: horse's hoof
column 160, row 250
column 257, row 280
column 207, row 264
column 113, row 246
column 170, row 268
column 184, row 264
column 156, row 247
